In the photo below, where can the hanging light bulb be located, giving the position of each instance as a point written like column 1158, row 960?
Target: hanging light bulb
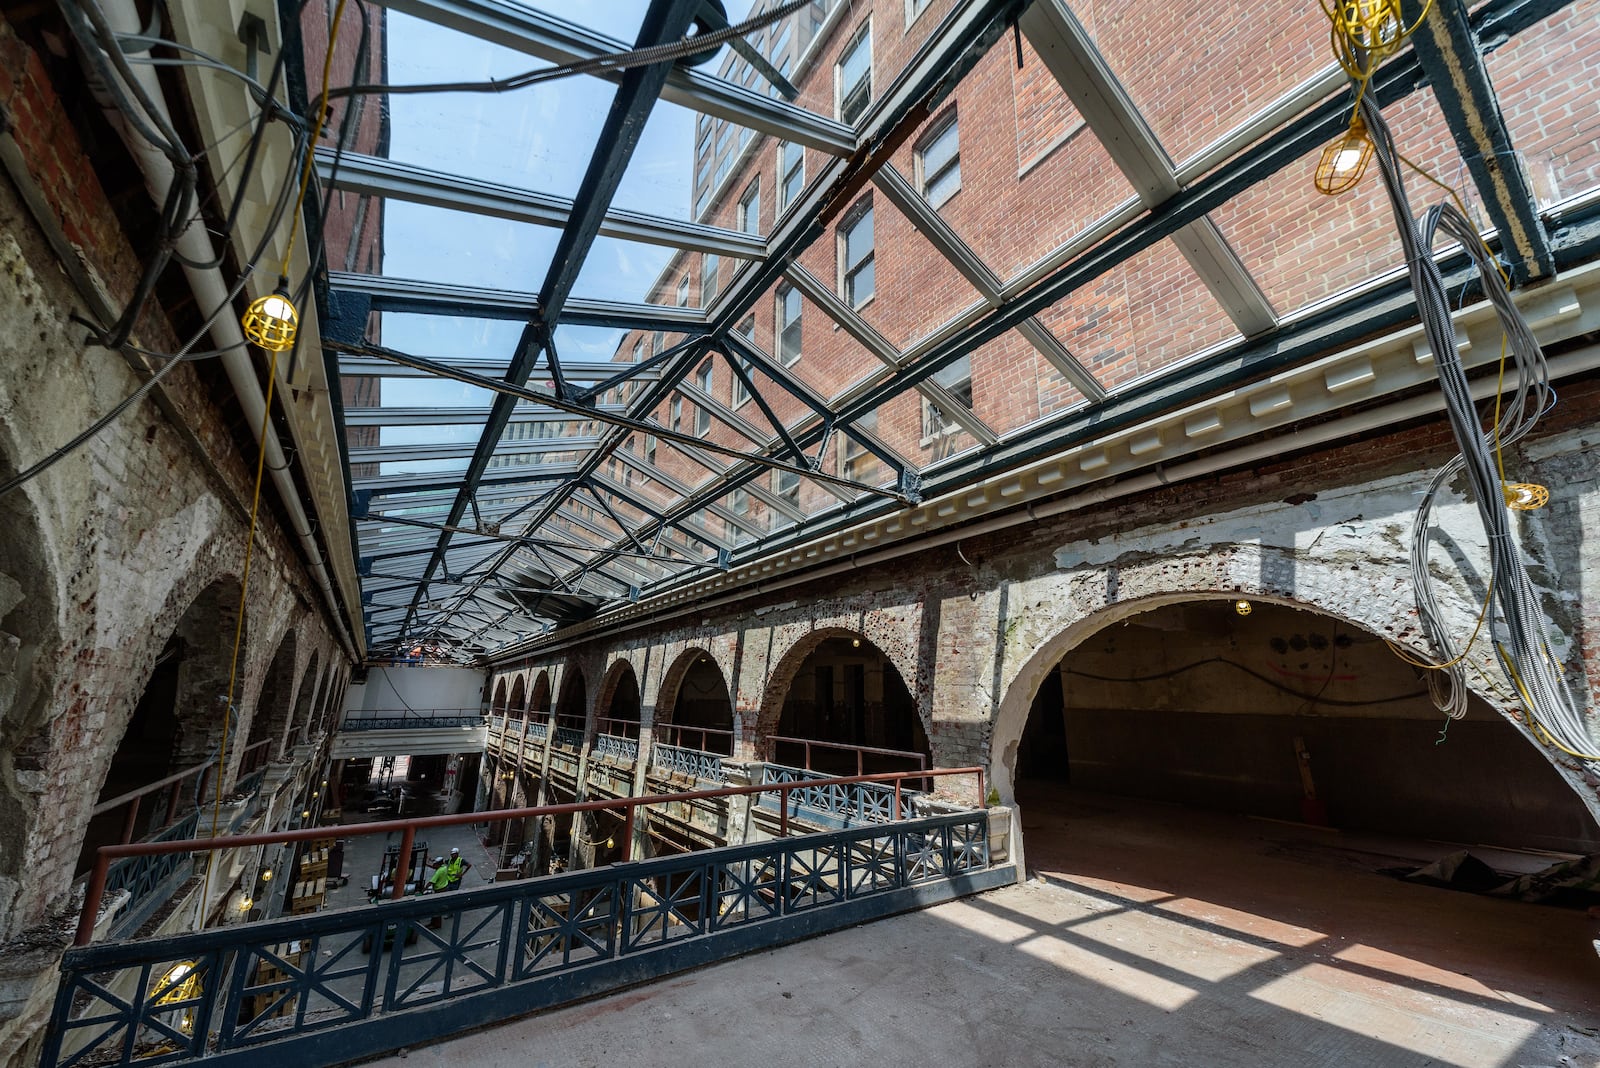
column 266, row 875
column 1345, row 160
column 305, row 813
column 855, row 643
column 271, row 321
column 1525, row 496
column 245, row 903
column 1243, row 607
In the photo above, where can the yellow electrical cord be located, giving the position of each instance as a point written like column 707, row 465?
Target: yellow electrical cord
column 261, row 459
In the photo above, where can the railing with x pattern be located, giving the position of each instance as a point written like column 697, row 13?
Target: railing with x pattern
column 336, row 985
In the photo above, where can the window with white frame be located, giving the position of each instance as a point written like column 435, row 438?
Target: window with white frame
column 677, row 413
column 938, row 162
column 856, row 279
column 788, row 324
column 683, row 292
column 638, row 351
column 791, row 172
column 708, row 279
column 741, row 501
column 650, row 449
column 787, row 485
column 660, row 338
column 748, row 329
column 853, row 75
column 957, row 381
column 702, row 414
column 915, row 8
column 750, row 208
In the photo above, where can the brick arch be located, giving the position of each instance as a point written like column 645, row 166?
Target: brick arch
column 572, row 693
column 271, row 715
column 672, row 683
column 1374, row 599
column 516, row 702
column 539, row 696
column 497, row 704
column 620, row 675
column 787, row 666
column 306, row 695
column 28, row 606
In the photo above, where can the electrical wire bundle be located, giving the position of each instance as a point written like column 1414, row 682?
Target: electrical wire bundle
column 1520, row 632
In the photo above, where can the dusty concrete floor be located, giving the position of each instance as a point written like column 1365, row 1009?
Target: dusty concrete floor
column 1149, row 935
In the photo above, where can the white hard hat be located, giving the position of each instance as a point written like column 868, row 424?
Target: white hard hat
column 454, row 851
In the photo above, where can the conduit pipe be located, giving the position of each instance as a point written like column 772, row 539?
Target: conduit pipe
column 211, row 291
column 1428, row 403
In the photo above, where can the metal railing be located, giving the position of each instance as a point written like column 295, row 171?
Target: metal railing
column 571, row 737
column 681, row 737
column 695, row 763
column 416, row 719
column 817, row 795
column 861, row 751
column 338, row 986
column 621, row 728
column 621, row 748
column 627, row 806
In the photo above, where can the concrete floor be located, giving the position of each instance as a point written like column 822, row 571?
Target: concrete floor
column 1149, row 935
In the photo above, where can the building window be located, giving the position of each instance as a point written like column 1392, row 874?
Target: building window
column 702, row 202
column 787, row 484
column 708, row 280
column 702, row 414
column 683, row 292
column 853, row 75
column 650, row 449
column 677, row 414
column 741, row 501
column 957, row 381
column 791, row 172
column 748, row 330
column 939, row 162
column 660, row 337
column 750, row 209
column 638, row 351
column 855, row 256
column 855, row 460
column 915, row 8
column 788, row 324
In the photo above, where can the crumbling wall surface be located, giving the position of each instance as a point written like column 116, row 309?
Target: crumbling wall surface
column 104, row 553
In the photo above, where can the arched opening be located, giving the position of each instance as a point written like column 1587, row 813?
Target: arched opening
column 305, row 703
column 696, row 710
column 618, row 710
column 539, row 702
column 176, row 725
column 27, row 637
column 274, row 709
column 572, row 706
column 1291, row 715
column 498, row 705
column 515, row 705
column 846, row 710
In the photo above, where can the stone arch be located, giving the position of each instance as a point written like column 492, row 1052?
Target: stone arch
column 787, row 670
column 305, row 703
column 695, row 680
column 1012, row 713
column 273, row 712
column 572, row 701
column 518, row 699
column 29, row 634
column 618, row 700
column 498, row 704
column 539, row 696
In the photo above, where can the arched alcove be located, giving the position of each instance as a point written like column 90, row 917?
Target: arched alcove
column 306, row 701
column 839, row 689
column 618, row 705
column 498, row 704
column 539, row 700
column 694, row 709
column 1284, row 713
column 274, row 708
column 572, row 706
column 515, row 706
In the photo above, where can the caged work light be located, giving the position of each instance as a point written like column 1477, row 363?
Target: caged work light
column 1525, row 496
column 1345, row 160
column 271, row 321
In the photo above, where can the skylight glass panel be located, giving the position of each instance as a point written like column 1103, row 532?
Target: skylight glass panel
column 1546, row 79
column 539, row 137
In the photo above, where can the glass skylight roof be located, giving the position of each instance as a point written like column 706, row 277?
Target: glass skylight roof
column 728, row 361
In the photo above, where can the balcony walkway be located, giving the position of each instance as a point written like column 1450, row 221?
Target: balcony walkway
column 1207, row 940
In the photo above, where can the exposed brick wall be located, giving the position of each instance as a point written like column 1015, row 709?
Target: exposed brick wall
column 133, row 538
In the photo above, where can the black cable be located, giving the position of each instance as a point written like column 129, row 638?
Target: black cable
column 1274, row 683
column 611, row 63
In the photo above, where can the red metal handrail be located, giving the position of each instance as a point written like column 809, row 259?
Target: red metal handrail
column 676, row 731
column 630, row 806
column 252, row 758
column 861, row 751
column 603, row 722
